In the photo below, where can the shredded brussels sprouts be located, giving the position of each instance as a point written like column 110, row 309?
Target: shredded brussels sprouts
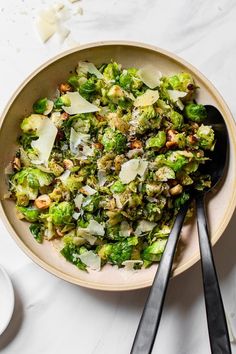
column 111, row 177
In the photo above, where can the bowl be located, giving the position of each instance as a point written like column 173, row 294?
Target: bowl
column 43, row 82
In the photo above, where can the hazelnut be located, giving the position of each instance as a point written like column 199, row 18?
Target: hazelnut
column 136, row 144
column 43, row 201
column 16, row 164
column 68, row 164
column 98, row 146
column 64, row 116
column 65, row 88
column 178, row 189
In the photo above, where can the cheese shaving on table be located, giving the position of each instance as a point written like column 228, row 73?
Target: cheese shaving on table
column 47, row 133
column 79, row 104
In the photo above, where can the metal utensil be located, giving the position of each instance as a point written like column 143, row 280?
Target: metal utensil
column 217, row 327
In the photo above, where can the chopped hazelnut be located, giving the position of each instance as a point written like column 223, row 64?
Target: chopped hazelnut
column 65, row 88
column 43, row 201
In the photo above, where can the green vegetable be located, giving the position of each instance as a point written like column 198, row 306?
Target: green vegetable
column 179, row 82
column 206, row 137
column 88, row 88
column 62, row 101
column 154, row 251
column 157, row 141
column 29, row 214
column 61, row 213
column 176, row 119
column 111, row 72
column 117, row 187
column 40, row 106
column 36, row 231
column 195, row 112
column 32, row 123
column 113, row 140
column 71, row 253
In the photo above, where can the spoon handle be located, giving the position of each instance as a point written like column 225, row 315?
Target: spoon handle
column 148, row 325
column 217, row 326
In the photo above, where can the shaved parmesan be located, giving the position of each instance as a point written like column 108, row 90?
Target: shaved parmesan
column 64, row 176
column 118, row 201
column 129, row 265
column 85, row 67
column 150, row 76
column 58, row 7
column 175, row 94
column 142, row 167
column 91, row 260
column 144, row 226
column 129, row 171
column 63, row 32
column 76, row 216
column 88, row 190
column 72, row 1
column 180, row 104
column 79, row 104
column 95, row 228
column 147, row 99
column 76, row 138
column 45, row 29
column 125, row 229
column 43, row 145
column 132, row 168
column 101, row 178
column 78, row 200
column 56, row 118
column 48, row 15
column 49, row 107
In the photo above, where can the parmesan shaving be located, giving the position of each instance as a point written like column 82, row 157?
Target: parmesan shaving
column 77, row 138
column 101, row 178
column 64, row 176
column 129, row 265
column 88, row 190
column 78, row 200
column 150, row 76
column 125, row 229
column 94, row 228
column 85, row 67
column 132, row 168
column 144, row 226
column 91, row 260
column 63, row 32
column 147, row 99
column 175, row 94
column 79, row 104
column 45, row 29
column 118, row 201
column 43, row 145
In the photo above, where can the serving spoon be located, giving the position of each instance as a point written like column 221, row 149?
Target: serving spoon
column 217, row 326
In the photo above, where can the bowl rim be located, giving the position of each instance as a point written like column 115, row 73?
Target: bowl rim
column 231, row 124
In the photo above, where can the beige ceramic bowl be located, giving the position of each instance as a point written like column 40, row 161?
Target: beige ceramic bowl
column 43, row 83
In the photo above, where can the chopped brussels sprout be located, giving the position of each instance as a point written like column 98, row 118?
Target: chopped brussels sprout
column 195, row 112
column 113, row 140
column 61, row 213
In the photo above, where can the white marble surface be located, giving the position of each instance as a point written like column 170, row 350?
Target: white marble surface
column 52, row 316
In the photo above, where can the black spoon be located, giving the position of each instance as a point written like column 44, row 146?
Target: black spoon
column 217, row 327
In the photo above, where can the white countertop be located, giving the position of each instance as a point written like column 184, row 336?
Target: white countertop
column 55, row 317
